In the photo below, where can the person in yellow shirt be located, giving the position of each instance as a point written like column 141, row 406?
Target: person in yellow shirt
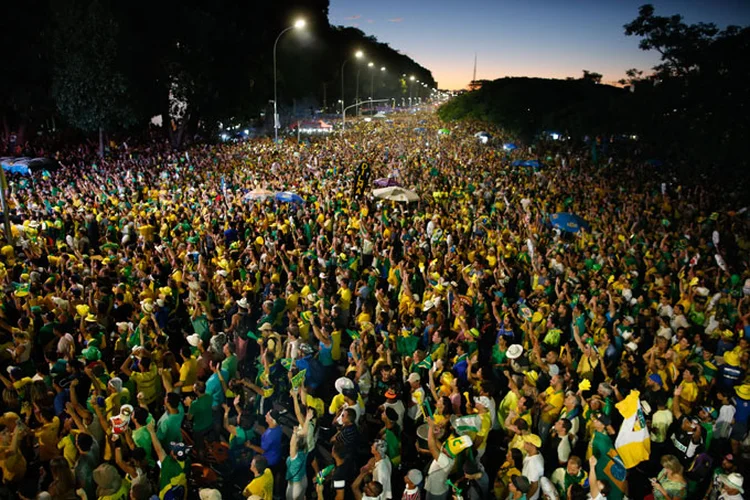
column 146, row 379
column 552, row 400
column 12, row 461
column 47, row 434
column 689, row 389
column 188, row 371
column 262, row 485
column 482, row 405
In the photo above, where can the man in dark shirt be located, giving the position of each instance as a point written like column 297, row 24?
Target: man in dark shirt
column 687, row 438
column 348, row 435
column 343, row 475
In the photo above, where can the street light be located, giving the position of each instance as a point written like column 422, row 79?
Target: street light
column 298, row 24
column 359, row 55
column 371, row 65
column 411, row 79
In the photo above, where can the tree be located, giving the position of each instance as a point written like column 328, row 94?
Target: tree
column 681, row 46
column 90, row 91
column 590, row 76
column 699, row 88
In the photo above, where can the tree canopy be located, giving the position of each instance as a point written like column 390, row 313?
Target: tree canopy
column 92, row 64
column 692, row 109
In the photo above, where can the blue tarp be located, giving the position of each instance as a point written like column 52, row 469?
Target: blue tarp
column 571, row 223
column 24, row 165
column 287, row 197
column 527, row 163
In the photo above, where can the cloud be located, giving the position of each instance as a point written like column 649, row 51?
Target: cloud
column 352, row 18
column 396, row 20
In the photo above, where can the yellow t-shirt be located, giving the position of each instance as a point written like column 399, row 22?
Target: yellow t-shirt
column 556, row 400
column 261, row 486
column 336, row 403
column 346, row 297
column 485, row 428
column 146, row 382
column 688, row 396
column 188, row 374
column 336, row 345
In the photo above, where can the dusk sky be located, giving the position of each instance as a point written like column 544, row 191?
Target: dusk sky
column 521, row 38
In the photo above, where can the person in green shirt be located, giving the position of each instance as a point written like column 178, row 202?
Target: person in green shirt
column 230, row 361
column 140, row 437
column 169, row 427
column 172, row 478
column 201, row 415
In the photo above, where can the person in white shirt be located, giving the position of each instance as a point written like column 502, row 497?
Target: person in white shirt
column 533, row 465
column 381, row 467
column 731, row 487
column 417, row 396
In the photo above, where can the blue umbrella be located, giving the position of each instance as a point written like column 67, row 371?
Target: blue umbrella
column 509, row 146
column 565, row 221
column 527, row 163
column 288, row 197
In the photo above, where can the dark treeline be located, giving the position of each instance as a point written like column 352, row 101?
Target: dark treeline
column 691, row 111
column 91, row 65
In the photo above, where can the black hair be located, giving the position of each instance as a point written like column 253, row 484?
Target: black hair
column 85, row 442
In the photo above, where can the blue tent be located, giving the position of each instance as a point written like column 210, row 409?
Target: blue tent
column 527, row 163
column 571, row 223
column 25, row 166
column 288, row 197
column 509, row 146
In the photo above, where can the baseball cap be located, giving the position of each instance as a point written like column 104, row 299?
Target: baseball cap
column 274, row 414
column 391, row 394
column 656, row 378
column 711, row 411
column 415, row 476
column 414, row 378
column 604, row 419
column 180, row 450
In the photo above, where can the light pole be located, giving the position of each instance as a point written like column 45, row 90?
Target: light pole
column 359, row 54
column 411, row 81
column 382, row 71
column 371, row 65
column 299, row 24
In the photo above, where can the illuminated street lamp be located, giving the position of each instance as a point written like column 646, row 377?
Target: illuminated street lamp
column 359, row 55
column 298, row 24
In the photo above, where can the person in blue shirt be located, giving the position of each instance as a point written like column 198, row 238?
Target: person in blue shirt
column 216, row 387
column 270, row 446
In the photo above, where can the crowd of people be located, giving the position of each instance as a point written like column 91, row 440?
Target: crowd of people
column 171, row 329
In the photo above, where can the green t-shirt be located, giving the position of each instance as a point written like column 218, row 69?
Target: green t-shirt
column 230, row 365
column 498, row 356
column 200, row 410
column 169, row 428
column 170, row 468
column 142, row 439
column 394, row 446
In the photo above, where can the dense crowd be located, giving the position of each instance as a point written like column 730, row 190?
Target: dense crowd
column 171, row 329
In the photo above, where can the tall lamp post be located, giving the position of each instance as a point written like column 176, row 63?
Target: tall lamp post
column 359, row 54
column 411, row 82
column 298, row 24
